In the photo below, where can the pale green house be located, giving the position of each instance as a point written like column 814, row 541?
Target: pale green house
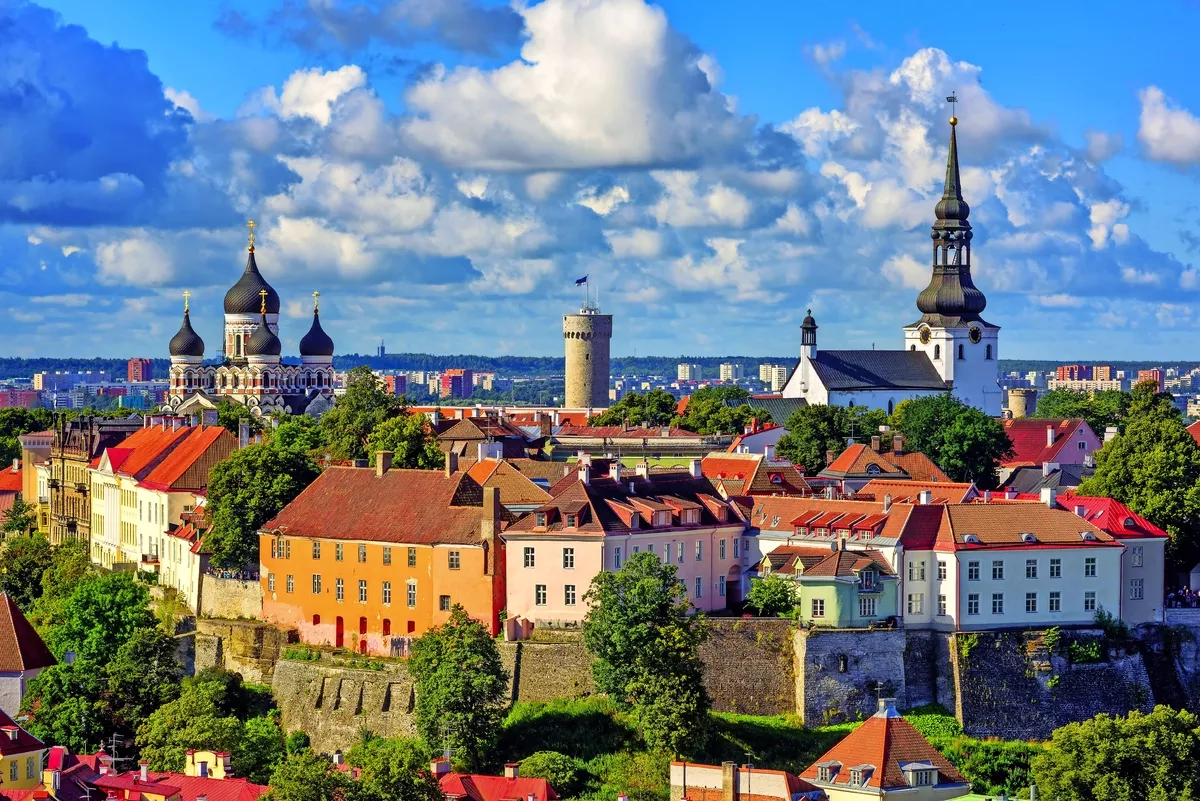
column 839, row 588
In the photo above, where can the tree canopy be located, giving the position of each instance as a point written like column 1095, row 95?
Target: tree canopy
column 815, row 431
column 23, row 563
column 102, row 612
column 462, row 688
column 654, row 408
column 772, row 596
column 15, row 421
column 708, row 413
column 394, row 769
column 231, row 414
column 20, row 518
column 1100, row 409
column 964, row 442
column 411, row 440
column 645, row 638
column 365, row 404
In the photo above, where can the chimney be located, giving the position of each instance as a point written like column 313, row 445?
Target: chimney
column 1048, row 468
column 383, row 462
column 747, row 430
column 694, row 468
column 1080, row 510
column 729, row 781
column 1049, row 496
column 643, row 469
column 557, row 418
column 16, row 468
column 614, row 469
column 439, row 767
column 585, row 473
column 876, row 443
column 1049, row 436
column 338, row 759
column 898, row 443
column 887, row 706
column 987, row 496
column 511, row 770
column 754, row 425
column 489, row 528
column 584, row 458
column 544, row 427
column 144, row 771
column 243, row 433
column 829, row 457
column 924, row 497
column 451, row 463
column 769, row 452
column 887, row 503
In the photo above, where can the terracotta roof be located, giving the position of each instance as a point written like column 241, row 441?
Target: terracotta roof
column 406, row 506
column 918, row 466
column 754, row 474
column 777, row 513
column 1031, row 444
column 186, row 453
column 22, row 743
column 884, row 743
column 141, row 451
column 909, row 491
column 495, row 788
column 1194, row 430
column 1111, row 516
column 21, row 648
column 857, row 460
column 515, row 486
column 481, row 428
column 10, row 478
column 1006, row 524
column 192, row 788
column 817, row 561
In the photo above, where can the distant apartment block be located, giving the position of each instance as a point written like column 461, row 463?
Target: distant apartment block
column 139, row 370
column 456, row 383
column 1155, row 375
column 764, row 372
column 779, row 377
column 1073, row 372
column 395, row 384
column 485, row 381
column 1102, row 372
column 1086, row 385
column 732, row 372
column 25, row 398
column 689, row 372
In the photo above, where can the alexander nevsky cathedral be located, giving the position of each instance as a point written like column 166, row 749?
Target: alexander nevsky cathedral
column 251, row 371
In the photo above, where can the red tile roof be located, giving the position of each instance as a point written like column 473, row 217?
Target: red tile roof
column 10, row 478
column 1194, row 430
column 21, row 743
column 857, row 460
column 918, row 466
column 982, row 525
column 199, row 441
column 404, row 506
column 192, row 788
column 21, row 648
column 146, row 448
column 884, row 744
column 495, row 788
column 1111, row 516
column 1031, row 444
column 753, row 474
column 909, row 491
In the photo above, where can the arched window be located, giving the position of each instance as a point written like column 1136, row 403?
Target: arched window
column 912, row 347
column 988, row 353
column 937, row 352
column 891, row 406
column 960, row 353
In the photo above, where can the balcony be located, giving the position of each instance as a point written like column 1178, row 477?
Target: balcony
column 43, row 499
column 81, row 488
column 53, row 483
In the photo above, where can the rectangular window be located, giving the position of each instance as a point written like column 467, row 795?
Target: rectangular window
column 316, row 549
column 1089, row 601
column 818, row 607
column 316, row 583
column 736, row 540
column 679, row 551
column 1135, row 556
column 387, row 593
column 941, row 570
column 412, row 557
column 1136, row 589
column 362, row 591
column 387, row 554
column 569, row 594
column 454, row 560
column 362, row 553
column 637, row 549
column 721, row 586
column 721, row 547
column 1031, row 602
column 270, row 582
column 972, row 571
column 443, row 603
column 973, row 603
column 997, row 570
column 13, row 771
column 527, row 555
column 287, row 549
column 1055, row 568
column 1031, row 568
column 942, row 605
column 291, row 583
column 616, row 559
column 339, row 590
column 916, row 603
column 916, row 570
column 1055, row 602
column 339, row 552
column 650, row 548
column 699, row 586
column 412, row 594
column 568, row 558
column 539, row 595
column 997, row 603
column 1089, row 567
column 866, row 606
column 570, row 520
column 699, row 550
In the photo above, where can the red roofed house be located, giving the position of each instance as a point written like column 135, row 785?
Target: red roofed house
column 21, row 756
column 369, row 558
column 22, row 655
column 472, row 787
column 729, row 780
column 10, row 486
column 142, row 490
column 753, row 474
column 1041, row 441
column 860, row 463
column 885, row 757
column 1194, row 430
column 207, row 776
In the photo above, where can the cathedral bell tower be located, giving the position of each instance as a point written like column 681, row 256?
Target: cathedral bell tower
column 962, row 345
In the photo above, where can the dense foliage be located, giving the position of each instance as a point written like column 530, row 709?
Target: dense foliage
column 816, row 432
column 708, row 412
column 394, row 770
column 654, row 408
column 964, row 442
column 19, row 519
column 1099, row 409
column 411, row 441
column 365, row 404
column 15, row 421
column 461, row 687
column 772, row 596
column 645, row 638
column 23, row 562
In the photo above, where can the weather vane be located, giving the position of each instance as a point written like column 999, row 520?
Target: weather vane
column 186, row 296
column 953, row 98
column 316, row 301
column 252, row 225
column 262, row 293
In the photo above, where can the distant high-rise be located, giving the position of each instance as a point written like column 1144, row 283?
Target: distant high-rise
column 381, row 351
column 732, row 372
column 139, row 370
column 587, row 335
column 689, row 372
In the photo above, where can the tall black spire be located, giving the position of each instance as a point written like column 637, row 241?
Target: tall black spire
column 951, row 299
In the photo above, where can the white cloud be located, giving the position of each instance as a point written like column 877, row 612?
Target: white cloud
column 316, row 245
column 540, row 185
column 829, row 53
column 815, row 130
column 640, row 243
column 725, row 270
column 1101, row 146
column 1060, row 301
column 311, row 93
column 69, row 250
column 1104, row 217
column 1131, row 275
column 185, row 101
column 137, row 261
column 685, row 204
column 604, row 203
column 1167, row 134
column 905, row 271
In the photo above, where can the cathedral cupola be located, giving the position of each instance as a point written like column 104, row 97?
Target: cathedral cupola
column 263, row 344
column 186, row 345
column 808, row 330
column 316, row 344
column 245, row 296
column 951, row 299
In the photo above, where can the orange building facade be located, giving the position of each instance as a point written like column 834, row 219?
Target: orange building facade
column 369, row 558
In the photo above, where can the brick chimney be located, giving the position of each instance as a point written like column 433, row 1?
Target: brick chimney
column 829, row 456
column 451, row 463
column 729, row 781
column 489, row 528
column 383, row 462
column 876, row 443
column 511, row 770
column 439, row 766
column 898, row 443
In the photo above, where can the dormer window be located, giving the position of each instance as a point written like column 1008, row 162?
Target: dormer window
column 873, row 470
column 662, row 518
column 971, row 538
column 922, row 777
column 539, row 519
column 828, row 771
column 570, row 520
column 1028, row 538
column 776, row 478
column 1087, row 536
column 1128, row 522
column 775, row 521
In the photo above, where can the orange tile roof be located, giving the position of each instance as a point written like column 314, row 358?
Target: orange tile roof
column 10, row 479
column 515, row 487
column 754, row 474
column 1194, row 430
column 908, row 491
column 918, row 466
column 856, row 459
column 1005, row 524
column 21, row 648
column 186, row 453
column 147, row 446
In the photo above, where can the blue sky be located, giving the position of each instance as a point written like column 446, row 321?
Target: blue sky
column 442, row 170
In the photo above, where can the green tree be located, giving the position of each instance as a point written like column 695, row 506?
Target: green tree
column 245, row 491
column 645, row 638
column 1099, row 409
column 1141, row 757
column 23, row 562
column 70, row 562
column 20, row 518
column 655, row 408
column 394, row 769
column 205, row 715
column 100, row 615
column 15, row 421
column 772, row 596
column 65, row 705
column 365, row 404
column 143, row 676
column 260, row 750
column 230, row 414
column 299, row 433
column 306, row 776
column 411, row 440
column 707, row 411
column 560, row 770
column 814, row 432
column 964, row 442
column 461, row 686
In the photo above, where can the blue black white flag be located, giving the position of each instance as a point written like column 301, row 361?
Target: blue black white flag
column 579, row 281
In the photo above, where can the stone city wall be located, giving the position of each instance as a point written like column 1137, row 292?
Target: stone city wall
column 749, row 666
column 840, row 674
column 231, row 599
column 249, row 647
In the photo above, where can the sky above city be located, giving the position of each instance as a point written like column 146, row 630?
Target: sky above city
column 442, row 171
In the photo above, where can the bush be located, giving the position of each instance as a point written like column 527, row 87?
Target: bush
column 560, row 770
column 993, row 767
column 1084, row 652
column 1113, row 627
column 935, row 723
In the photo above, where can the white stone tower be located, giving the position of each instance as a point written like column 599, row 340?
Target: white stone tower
column 587, row 336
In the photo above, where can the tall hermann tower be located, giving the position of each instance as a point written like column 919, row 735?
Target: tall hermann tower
column 587, row 335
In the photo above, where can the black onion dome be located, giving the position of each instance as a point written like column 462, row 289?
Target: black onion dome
column 263, row 341
column 244, row 298
column 187, row 342
column 316, row 342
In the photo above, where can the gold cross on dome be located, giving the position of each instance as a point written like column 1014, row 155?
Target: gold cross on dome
column 262, row 293
column 186, row 296
column 252, row 225
column 316, row 301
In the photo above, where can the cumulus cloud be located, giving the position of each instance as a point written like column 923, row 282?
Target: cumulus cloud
column 1167, row 133
column 1101, row 145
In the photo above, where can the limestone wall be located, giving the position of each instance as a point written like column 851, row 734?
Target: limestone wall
column 230, row 598
column 251, row 648
column 546, row 671
column 333, row 704
column 841, row 674
column 749, row 666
